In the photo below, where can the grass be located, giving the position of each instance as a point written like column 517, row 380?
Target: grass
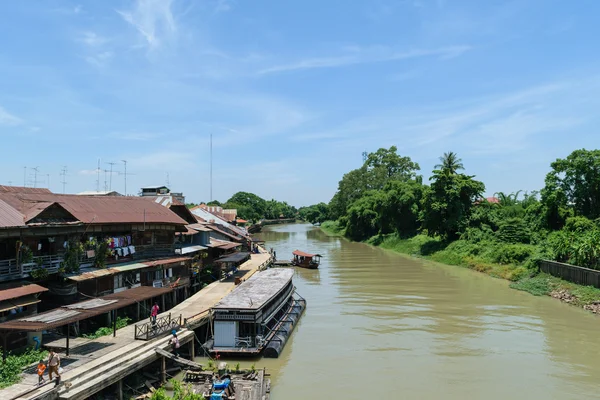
column 332, row 228
column 513, row 262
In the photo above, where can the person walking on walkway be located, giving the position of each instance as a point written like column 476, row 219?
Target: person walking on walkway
column 53, row 366
column 41, row 368
column 175, row 343
column 154, row 313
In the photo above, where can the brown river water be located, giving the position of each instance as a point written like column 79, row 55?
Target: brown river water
column 383, row 326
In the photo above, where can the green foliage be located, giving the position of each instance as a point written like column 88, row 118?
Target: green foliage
column 577, row 179
column 105, row 331
column 253, row 208
column 72, row 256
column 332, row 228
column 39, row 273
column 26, row 254
column 12, row 367
column 447, row 204
column 317, row 213
column 579, row 225
column 513, row 230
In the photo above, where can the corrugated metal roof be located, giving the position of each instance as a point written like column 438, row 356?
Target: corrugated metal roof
column 190, row 249
column 76, row 312
column 21, row 189
column 222, row 232
column 208, row 217
column 9, row 216
column 200, row 227
column 94, row 273
column 92, row 209
column 14, row 293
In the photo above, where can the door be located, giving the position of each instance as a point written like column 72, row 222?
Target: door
column 225, row 333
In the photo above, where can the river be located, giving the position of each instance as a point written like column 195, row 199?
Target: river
column 383, row 326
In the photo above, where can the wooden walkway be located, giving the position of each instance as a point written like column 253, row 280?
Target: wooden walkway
column 122, row 355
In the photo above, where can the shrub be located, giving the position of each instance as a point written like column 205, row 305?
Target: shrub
column 12, row 367
column 513, row 230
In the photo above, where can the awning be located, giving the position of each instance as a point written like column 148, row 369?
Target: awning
column 94, row 273
column 190, row 249
column 83, row 310
column 303, row 254
column 21, row 291
column 235, row 257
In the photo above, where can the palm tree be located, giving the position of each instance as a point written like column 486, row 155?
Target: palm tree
column 450, row 163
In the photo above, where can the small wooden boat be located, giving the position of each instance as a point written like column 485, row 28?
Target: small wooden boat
column 306, row 260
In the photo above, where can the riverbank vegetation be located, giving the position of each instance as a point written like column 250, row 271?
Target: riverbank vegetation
column 253, row 208
column 12, row 367
column 447, row 219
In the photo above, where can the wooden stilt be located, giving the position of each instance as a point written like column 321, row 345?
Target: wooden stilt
column 120, row 389
column 68, row 326
column 163, row 369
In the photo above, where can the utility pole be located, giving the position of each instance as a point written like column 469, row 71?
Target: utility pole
column 63, row 174
column 211, row 166
column 111, row 173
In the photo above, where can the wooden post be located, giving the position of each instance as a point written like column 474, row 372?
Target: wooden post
column 114, row 323
column 192, row 349
column 120, row 389
column 67, row 352
column 163, row 369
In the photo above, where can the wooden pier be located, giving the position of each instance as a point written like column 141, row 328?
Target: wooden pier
column 94, row 365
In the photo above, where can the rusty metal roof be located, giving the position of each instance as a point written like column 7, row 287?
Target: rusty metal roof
column 21, row 291
column 93, row 273
column 21, row 189
column 222, row 232
column 303, row 254
column 223, row 244
column 88, row 209
column 83, row 310
column 10, row 217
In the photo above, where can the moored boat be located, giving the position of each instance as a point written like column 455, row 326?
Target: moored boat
column 306, row 260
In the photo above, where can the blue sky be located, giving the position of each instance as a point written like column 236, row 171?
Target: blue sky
column 293, row 92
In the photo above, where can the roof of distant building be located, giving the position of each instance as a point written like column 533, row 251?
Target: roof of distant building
column 100, row 193
column 31, row 207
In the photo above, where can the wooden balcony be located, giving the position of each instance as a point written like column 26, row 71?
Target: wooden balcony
column 9, row 269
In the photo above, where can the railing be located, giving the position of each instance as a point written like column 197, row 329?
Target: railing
column 571, row 273
column 150, row 330
column 10, row 269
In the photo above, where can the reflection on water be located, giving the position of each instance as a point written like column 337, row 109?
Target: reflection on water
column 379, row 325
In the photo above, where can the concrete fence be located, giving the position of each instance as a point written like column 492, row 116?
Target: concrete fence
column 571, row 273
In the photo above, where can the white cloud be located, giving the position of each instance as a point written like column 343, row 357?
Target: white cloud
column 223, row 6
column 367, row 55
column 153, row 19
column 92, row 39
column 100, row 60
column 7, row 118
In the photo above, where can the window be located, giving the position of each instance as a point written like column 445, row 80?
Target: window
column 118, row 281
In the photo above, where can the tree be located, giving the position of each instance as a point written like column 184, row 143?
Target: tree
column 379, row 168
column 250, row 206
column 577, row 178
column 447, row 204
column 450, row 163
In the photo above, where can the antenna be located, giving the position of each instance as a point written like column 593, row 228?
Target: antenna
column 63, row 174
column 125, row 166
column 167, row 182
column 25, row 177
column 111, row 173
column 98, row 177
column 105, row 179
column 211, row 165
column 35, row 172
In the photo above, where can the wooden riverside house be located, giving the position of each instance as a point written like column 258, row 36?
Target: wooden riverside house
column 258, row 316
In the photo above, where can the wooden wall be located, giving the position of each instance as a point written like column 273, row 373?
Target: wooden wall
column 572, row 273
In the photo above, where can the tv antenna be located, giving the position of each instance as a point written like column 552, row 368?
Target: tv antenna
column 63, row 174
column 167, row 181
column 125, row 174
column 35, row 172
column 111, row 173
column 25, row 177
column 211, row 167
column 98, row 177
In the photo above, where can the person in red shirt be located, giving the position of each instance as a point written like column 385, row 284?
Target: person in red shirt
column 154, row 312
column 41, row 368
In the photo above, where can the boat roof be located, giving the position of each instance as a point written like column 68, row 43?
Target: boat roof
column 303, row 254
column 256, row 291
